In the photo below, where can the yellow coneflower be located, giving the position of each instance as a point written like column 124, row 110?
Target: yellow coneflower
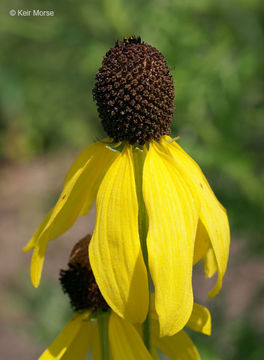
column 95, row 327
column 156, row 213
column 82, row 333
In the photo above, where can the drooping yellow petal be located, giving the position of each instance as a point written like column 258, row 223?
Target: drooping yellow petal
column 154, row 353
column 173, row 215
column 64, row 340
column 115, row 252
column 203, row 250
column 202, row 243
column 96, row 349
column 125, row 341
column 213, row 215
column 37, row 261
column 82, row 342
column 80, row 188
column 178, row 347
column 32, row 242
column 82, row 158
column 200, row 319
column 101, row 164
column 209, row 263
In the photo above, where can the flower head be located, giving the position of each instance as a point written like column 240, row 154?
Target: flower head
column 156, row 213
column 134, row 92
column 78, row 280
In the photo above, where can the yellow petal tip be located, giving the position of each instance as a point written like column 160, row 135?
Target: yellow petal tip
column 215, row 290
column 37, row 261
column 212, row 294
column 36, row 285
column 35, row 281
column 30, row 245
column 27, row 248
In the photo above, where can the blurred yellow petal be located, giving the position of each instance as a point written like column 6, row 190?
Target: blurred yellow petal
column 209, row 263
column 154, row 354
column 173, row 215
column 202, row 243
column 115, row 252
column 63, row 342
column 178, row 347
column 37, row 261
column 213, row 215
column 153, row 312
column 125, row 341
column 200, row 319
column 203, row 250
column 82, row 342
column 96, row 350
column 80, row 188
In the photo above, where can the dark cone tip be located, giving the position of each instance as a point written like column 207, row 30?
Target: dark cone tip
column 78, row 280
column 134, row 92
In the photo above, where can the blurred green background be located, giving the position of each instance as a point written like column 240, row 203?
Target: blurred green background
column 47, row 69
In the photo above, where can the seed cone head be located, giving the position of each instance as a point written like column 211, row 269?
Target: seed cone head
column 78, row 280
column 134, row 92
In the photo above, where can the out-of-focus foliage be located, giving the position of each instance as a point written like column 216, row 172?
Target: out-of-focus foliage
column 215, row 50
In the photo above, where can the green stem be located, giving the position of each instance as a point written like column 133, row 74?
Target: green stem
column 103, row 333
column 139, row 158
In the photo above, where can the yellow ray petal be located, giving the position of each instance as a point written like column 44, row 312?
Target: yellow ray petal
column 115, row 253
column 209, row 263
column 213, row 215
column 200, row 319
column 178, row 347
column 173, row 215
column 37, row 261
column 80, row 188
column 64, row 340
column 82, row 342
column 125, row 342
column 82, row 158
column 32, row 242
column 202, row 243
column 96, row 350
column 103, row 160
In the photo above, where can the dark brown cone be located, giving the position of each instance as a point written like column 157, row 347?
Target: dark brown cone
column 134, row 92
column 78, row 280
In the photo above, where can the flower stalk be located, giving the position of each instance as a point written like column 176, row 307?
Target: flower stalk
column 103, row 320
